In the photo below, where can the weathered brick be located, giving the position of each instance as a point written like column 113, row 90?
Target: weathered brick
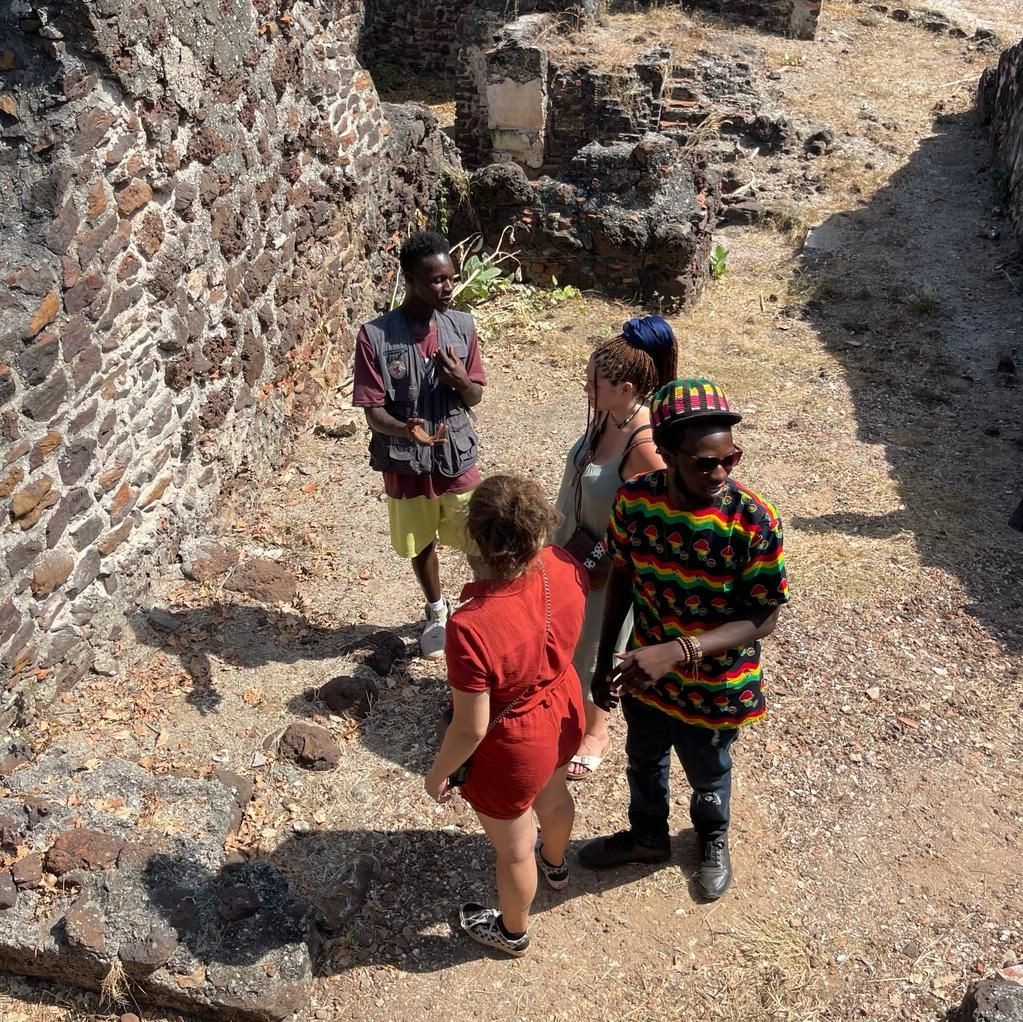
column 123, row 501
column 96, row 199
column 86, row 366
column 90, row 242
column 37, row 360
column 7, row 387
column 44, row 448
column 32, row 280
column 30, row 496
column 86, row 572
column 42, row 402
column 46, row 313
column 74, row 337
column 83, row 293
column 63, row 229
column 112, row 540
column 93, row 125
column 155, row 492
column 20, row 557
column 51, row 571
column 85, row 535
column 9, row 481
column 133, row 196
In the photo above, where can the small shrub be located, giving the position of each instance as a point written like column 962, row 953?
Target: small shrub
column 719, row 261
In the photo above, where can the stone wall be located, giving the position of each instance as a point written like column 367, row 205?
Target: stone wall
column 197, row 201
column 632, row 219
column 427, row 37
column 797, row 18
column 1000, row 109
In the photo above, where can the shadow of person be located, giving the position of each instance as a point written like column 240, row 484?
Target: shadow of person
column 920, row 314
column 351, row 897
column 250, row 636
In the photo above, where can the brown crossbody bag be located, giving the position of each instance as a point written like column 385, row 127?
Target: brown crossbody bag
column 461, row 775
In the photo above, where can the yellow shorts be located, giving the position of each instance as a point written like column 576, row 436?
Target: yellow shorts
column 417, row 521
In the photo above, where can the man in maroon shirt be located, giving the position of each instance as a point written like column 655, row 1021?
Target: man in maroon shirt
column 417, row 375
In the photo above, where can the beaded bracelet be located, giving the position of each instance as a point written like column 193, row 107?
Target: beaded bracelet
column 691, row 648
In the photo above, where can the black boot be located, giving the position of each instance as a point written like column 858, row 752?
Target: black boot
column 715, row 872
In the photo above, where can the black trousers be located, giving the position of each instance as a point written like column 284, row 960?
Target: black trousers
column 705, row 756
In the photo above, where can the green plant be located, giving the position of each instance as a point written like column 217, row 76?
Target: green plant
column 719, row 261
column 442, row 206
column 481, row 273
column 563, row 292
column 605, row 332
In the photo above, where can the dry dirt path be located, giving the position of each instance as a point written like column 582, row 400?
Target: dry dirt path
column 877, row 818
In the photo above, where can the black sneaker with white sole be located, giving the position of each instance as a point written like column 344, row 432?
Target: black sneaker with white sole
column 556, row 876
column 483, row 925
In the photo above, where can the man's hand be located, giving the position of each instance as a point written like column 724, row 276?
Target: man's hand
column 451, row 369
column 416, row 431
column 642, row 668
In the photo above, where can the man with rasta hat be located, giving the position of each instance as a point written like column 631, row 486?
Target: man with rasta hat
column 698, row 558
column 418, row 374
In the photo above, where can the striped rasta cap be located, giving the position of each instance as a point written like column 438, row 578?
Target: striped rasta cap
column 690, row 400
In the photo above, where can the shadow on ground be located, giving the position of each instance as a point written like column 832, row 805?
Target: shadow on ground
column 249, row 637
column 923, row 306
column 358, row 898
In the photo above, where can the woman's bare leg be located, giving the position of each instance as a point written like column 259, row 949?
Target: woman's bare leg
column 513, row 841
column 555, row 809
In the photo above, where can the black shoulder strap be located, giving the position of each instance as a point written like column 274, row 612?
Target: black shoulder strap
column 632, row 444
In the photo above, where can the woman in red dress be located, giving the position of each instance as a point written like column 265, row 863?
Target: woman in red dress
column 517, row 701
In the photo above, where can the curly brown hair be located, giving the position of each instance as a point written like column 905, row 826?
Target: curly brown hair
column 509, row 520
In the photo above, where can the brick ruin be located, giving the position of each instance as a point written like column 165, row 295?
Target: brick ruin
column 199, row 200
column 1000, row 109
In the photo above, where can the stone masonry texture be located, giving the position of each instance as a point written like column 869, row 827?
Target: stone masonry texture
column 199, row 199
column 1000, row 109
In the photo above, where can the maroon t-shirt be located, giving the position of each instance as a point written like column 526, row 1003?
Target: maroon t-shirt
column 369, row 392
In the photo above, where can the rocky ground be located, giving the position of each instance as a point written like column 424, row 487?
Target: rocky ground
column 871, row 342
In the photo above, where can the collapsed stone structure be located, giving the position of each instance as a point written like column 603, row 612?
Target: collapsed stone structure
column 198, row 201
column 122, row 883
column 1000, row 109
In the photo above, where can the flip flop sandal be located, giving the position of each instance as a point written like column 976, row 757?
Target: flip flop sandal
column 590, row 763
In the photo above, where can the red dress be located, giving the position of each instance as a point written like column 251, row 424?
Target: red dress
column 495, row 642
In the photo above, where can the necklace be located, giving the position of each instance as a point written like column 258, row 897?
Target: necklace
column 627, row 419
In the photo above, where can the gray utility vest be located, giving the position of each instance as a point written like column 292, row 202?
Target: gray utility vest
column 413, row 391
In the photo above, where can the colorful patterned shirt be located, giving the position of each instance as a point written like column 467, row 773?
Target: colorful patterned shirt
column 692, row 571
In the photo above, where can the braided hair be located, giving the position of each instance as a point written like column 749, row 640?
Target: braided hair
column 644, row 354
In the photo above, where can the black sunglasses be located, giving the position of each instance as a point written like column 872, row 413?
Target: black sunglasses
column 707, row 465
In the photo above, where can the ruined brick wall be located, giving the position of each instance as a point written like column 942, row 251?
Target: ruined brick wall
column 427, row 37
column 632, row 219
column 587, row 104
column 797, row 18
column 1000, row 109
column 197, row 198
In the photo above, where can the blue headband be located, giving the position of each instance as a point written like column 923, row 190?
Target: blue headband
column 649, row 333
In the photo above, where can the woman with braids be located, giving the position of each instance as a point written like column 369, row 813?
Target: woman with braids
column 517, row 705
column 618, row 444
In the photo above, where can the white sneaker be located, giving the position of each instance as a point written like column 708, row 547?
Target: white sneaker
column 431, row 642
